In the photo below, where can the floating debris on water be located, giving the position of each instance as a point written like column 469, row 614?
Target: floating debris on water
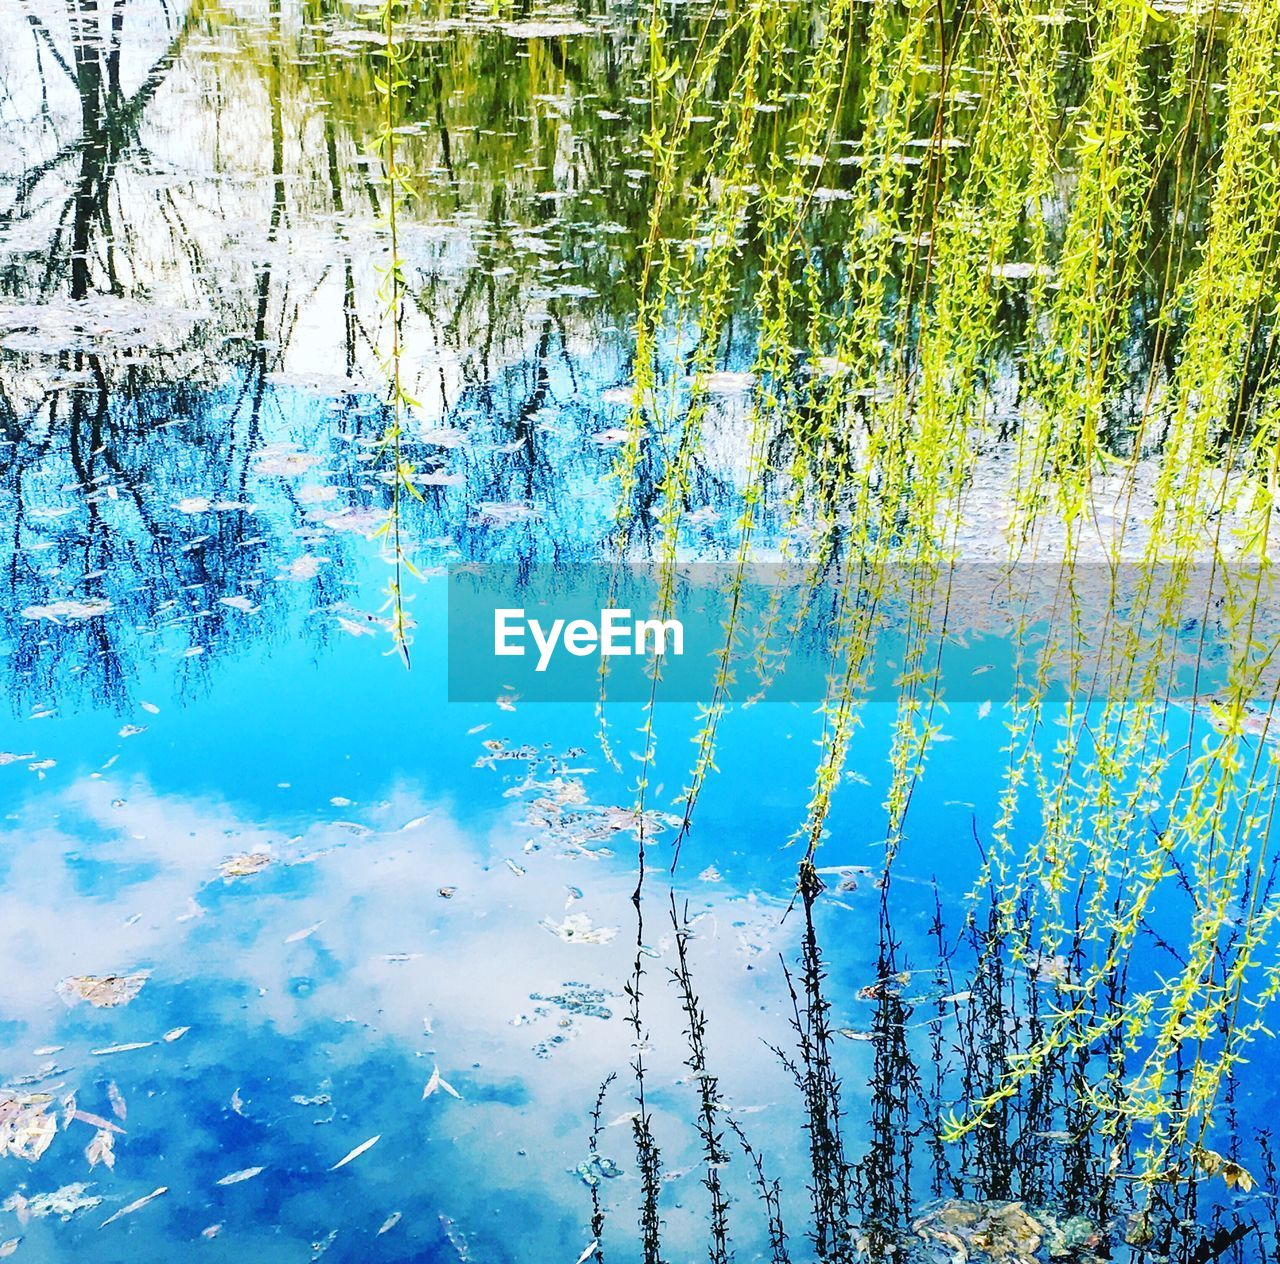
column 26, row 1127
column 597, row 1168
column 578, row 928
column 438, row 1082
column 62, row 1203
column 357, row 1152
column 137, row 1205
column 245, row 1174
column 104, row 991
column 579, row 999
column 245, row 865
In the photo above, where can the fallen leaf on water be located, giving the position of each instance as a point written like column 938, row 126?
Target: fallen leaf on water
column 577, row 929
column 136, row 1205
column 437, row 1081
column 102, row 990
column 26, row 1127
column 303, row 568
column 244, row 866
column 64, row 1203
column 279, row 460
column 68, row 609
column 102, row 1149
column 96, row 1121
column 1235, row 1175
column 245, row 1174
column 357, row 1152
column 129, row 1048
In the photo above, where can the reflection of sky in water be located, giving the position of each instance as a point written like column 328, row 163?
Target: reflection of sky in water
column 321, row 992
column 291, row 735
column 393, row 980
column 193, row 644
column 119, row 871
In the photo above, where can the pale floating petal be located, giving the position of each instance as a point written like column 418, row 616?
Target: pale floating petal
column 245, row 1174
column 96, row 1121
column 102, row 1149
column 357, row 1152
column 437, row 1081
column 136, row 1205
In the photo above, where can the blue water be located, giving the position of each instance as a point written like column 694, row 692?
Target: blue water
column 337, row 887
column 290, row 736
column 318, row 994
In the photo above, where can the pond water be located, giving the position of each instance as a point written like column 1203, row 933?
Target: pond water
column 362, row 952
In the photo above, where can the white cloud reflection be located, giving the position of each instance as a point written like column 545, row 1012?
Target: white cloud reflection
column 392, row 980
